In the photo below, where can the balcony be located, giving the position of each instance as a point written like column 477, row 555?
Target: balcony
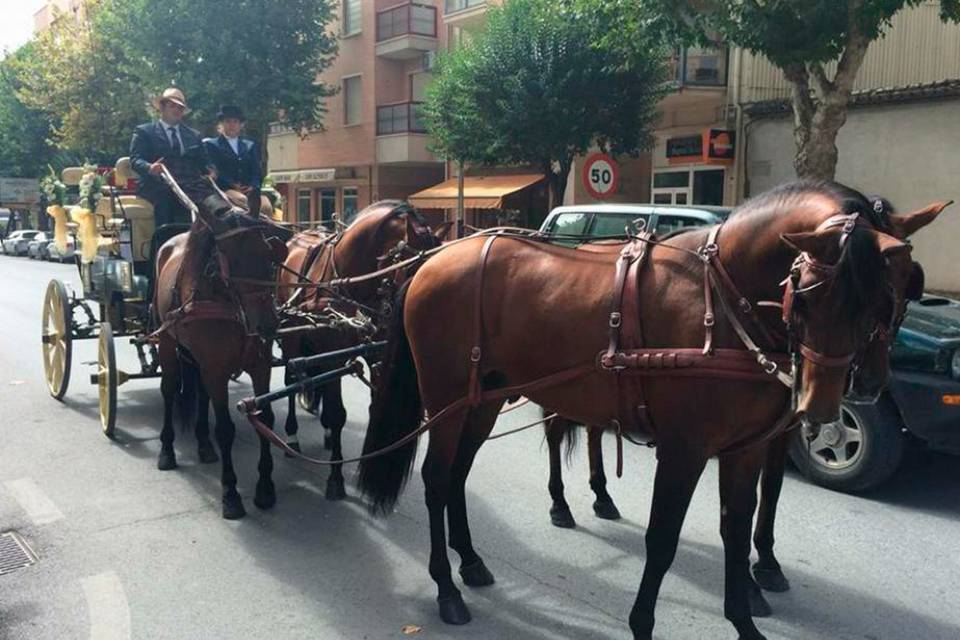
column 406, row 31
column 464, row 13
column 401, row 135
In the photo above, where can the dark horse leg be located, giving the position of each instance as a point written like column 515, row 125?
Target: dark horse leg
column 676, row 478
column 169, row 387
column 472, row 569
column 217, row 388
column 738, row 500
column 205, row 451
column 767, row 571
column 560, row 514
column 266, row 494
column 333, row 418
column 290, row 426
column 603, row 506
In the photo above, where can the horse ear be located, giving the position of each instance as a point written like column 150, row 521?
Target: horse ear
column 441, row 230
column 816, row 243
column 411, row 229
column 907, row 224
column 889, row 245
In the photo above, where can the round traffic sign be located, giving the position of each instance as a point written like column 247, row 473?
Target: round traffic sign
column 601, row 176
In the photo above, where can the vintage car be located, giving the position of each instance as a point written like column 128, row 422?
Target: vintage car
column 921, row 404
column 17, row 242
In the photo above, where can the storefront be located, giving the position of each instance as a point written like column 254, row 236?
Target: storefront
column 319, row 196
column 693, row 168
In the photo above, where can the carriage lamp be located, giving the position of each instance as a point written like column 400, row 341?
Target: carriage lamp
column 955, row 365
column 126, row 277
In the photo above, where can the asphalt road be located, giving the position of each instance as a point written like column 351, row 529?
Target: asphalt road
column 126, row 551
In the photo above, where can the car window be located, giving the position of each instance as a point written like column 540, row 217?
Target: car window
column 29, row 235
column 615, row 224
column 570, row 224
column 669, row 224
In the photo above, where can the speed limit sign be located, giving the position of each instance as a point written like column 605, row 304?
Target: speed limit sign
column 601, row 176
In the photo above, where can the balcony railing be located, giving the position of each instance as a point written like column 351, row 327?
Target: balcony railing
column 401, row 117
column 693, row 66
column 452, row 6
column 407, row 19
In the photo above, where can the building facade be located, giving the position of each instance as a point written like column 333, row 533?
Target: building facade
column 45, row 15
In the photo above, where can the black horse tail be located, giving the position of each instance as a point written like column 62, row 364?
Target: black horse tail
column 396, row 410
column 187, row 397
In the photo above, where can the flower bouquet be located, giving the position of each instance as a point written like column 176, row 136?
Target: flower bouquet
column 56, row 193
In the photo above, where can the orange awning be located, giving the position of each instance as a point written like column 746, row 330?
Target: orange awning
column 479, row 192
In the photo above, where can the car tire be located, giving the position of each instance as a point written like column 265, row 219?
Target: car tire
column 857, row 454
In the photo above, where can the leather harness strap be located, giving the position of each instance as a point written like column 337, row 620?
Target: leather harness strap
column 475, row 388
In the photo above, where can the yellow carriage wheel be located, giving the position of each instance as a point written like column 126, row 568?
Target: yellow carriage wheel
column 57, row 339
column 107, row 379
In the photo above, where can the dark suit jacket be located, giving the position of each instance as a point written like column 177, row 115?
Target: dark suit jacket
column 232, row 169
column 150, row 143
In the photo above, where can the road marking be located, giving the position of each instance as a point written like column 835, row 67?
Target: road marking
column 107, row 605
column 34, row 501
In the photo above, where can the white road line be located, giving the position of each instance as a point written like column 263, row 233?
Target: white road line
column 34, row 501
column 107, row 605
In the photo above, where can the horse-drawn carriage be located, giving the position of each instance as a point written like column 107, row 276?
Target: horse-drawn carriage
column 116, row 245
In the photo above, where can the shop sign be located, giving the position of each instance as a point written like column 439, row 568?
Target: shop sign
column 712, row 146
column 19, row 190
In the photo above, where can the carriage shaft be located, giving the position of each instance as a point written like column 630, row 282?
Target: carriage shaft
column 248, row 405
column 296, row 365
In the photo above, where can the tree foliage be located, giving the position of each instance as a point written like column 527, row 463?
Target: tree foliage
column 800, row 37
column 543, row 82
column 25, row 148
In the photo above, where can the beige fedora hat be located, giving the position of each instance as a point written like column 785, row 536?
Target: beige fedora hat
column 173, row 95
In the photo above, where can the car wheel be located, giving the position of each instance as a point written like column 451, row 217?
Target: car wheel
column 859, row 452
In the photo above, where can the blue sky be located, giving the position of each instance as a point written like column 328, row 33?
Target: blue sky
column 16, row 25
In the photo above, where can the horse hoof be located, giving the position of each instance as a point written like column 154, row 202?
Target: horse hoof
column 293, row 445
column 453, row 610
column 606, row 510
column 759, row 607
column 233, row 508
column 265, row 496
column 207, row 455
column 167, row 461
column 561, row 517
column 335, row 490
column 476, row 575
column 770, row 578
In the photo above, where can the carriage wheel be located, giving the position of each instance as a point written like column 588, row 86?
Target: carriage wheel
column 57, row 339
column 107, row 379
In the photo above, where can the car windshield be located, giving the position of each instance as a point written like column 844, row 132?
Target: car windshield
column 615, row 224
column 29, row 235
column 669, row 224
column 569, row 224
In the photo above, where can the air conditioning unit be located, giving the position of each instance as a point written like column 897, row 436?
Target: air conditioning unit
column 429, row 60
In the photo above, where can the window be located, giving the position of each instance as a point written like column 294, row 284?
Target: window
column 350, row 199
column 303, row 205
column 328, row 204
column 460, row 5
column 614, row 224
column 700, row 66
column 570, row 224
column 352, row 100
column 671, row 179
column 399, row 118
column 669, row 224
column 352, row 16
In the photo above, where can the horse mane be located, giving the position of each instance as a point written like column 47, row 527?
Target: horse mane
column 200, row 242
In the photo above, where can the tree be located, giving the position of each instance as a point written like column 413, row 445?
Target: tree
column 541, row 84
column 800, row 37
column 256, row 54
column 25, row 149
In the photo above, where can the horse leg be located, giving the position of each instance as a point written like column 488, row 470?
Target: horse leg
column 472, row 569
column 291, row 426
column 266, row 494
column 675, row 480
column 603, row 506
column 738, row 500
column 767, row 571
column 232, row 504
column 169, row 387
column 560, row 514
column 205, row 451
column 437, row 481
column 333, row 418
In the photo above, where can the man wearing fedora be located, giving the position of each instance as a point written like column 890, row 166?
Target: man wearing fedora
column 236, row 159
column 168, row 142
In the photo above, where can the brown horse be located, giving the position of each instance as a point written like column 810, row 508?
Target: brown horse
column 481, row 321
column 381, row 232
column 767, row 570
column 215, row 325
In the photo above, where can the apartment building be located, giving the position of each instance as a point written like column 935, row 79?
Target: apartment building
column 45, row 15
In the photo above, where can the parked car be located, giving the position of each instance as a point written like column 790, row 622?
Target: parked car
column 16, row 243
column 55, row 255
column 37, row 248
column 862, row 450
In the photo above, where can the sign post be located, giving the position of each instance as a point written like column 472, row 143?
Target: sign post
column 601, row 175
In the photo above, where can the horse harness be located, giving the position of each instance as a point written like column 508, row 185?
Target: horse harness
column 629, row 361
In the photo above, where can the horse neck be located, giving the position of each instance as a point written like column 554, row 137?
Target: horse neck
column 197, row 254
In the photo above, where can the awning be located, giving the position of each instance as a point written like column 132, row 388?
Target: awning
column 479, row 192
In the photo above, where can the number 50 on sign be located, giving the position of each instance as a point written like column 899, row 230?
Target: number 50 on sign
column 601, row 176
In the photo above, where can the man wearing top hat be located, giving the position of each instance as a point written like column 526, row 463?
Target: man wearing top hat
column 237, row 159
column 168, row 142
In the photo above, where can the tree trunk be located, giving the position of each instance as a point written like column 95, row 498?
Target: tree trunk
column 557, row 181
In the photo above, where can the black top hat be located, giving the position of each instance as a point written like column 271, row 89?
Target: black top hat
column 231, row 111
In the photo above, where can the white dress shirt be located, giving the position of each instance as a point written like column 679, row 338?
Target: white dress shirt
column 234, row 144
